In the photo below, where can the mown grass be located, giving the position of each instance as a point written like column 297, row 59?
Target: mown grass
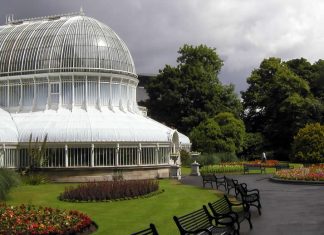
column 123, row 217
column 185, row 170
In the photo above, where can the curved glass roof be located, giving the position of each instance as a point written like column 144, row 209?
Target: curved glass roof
column 62, row 44
column 64, row 126
column 8, row 129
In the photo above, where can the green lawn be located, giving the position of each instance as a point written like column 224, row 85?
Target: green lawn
column 124, row 217
column 185, row 170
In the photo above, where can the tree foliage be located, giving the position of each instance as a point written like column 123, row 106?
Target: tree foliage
column 223, row 133
column 308, row 145
column 191, row 92
column 279, row 101
column 253, row 146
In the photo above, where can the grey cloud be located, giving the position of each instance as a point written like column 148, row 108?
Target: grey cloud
column 244, row 32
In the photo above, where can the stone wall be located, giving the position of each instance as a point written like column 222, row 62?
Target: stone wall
column 103, row 174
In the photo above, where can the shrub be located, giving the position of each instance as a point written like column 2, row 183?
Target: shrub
column 109, row 190
column 38, row 220
column 223, row 133
column 8, row 179
column 308, row 145
column 185, row 157
column 34, row 178
column 215, row 158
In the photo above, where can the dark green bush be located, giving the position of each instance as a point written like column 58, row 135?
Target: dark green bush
column 185, row 157
column 223, row 133
column 8, row 179
column 206, row 159
column 308, row 145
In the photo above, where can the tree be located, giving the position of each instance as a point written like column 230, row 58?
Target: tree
column 191, row 92
column 278, row 103
column 253, row 146
column 223, row 133
column 308, row 145
column 313, row 74
column 317, row 81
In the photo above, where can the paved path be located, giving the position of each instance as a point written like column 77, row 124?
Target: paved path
column 287, row 209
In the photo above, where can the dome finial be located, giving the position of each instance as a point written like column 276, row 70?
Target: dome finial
column 81, row 10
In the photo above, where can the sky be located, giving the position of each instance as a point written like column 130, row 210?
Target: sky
column 243, row 32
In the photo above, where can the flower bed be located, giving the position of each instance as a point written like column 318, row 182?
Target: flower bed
column 109, row 190
column 227, row 167
column 28, row 219
column 221, row 168
column 312, row 173
column 267, row 163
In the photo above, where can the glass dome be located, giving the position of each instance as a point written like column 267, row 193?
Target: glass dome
column 73, row 43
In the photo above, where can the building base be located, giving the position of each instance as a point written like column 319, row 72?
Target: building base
column 106, row 173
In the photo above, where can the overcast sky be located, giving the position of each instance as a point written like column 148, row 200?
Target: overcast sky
column 243, row 31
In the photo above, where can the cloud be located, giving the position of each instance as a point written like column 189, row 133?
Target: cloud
column 244, row 32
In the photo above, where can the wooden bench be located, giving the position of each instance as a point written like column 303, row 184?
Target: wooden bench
column 211, row 178
column 248, row 167
column 224, row 207
column 149, row 231
column 202, row 222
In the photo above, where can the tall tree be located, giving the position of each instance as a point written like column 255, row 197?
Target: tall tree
column 313, row 74
column 184, row 95
column 278, row 103
column 317, row 81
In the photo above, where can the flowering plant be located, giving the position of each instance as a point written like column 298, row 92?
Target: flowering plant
column 109, row 190
column 29, row 219
column 312, row 173
column 267, row 163
column 221, row 168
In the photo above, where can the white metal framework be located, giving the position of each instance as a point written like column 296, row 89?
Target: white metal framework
column 72, row 79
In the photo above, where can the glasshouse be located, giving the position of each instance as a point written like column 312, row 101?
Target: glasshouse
column 70, row 81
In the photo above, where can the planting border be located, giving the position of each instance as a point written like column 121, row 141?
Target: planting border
column 152, row 194
column 301, row 182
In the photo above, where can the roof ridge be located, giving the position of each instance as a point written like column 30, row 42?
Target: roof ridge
column 50, row 17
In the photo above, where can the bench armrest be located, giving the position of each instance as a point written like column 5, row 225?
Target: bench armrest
column 244, row 185
column 254, row 190
column 227, row 219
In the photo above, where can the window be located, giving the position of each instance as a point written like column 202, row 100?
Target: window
column 55, row 92
column 55, row 88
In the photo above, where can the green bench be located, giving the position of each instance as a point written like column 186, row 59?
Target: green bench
column 248, row 167
column 282, row 166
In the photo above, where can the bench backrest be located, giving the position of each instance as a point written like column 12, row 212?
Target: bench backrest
column 230, row 182
column 241, row 189
column 208, row 177
column 199, row 219
column 220, row 207
column 254, row 166
column 283, row 166
column 149, row 231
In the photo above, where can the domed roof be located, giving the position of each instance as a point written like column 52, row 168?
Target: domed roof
column 74, row 43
